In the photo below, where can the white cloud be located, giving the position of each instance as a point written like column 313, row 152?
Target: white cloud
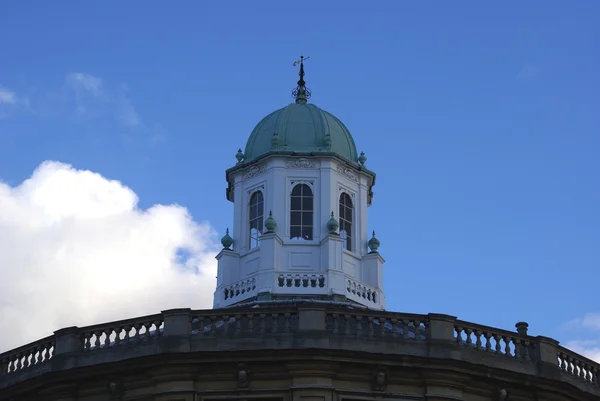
column 586, row 327
column 587, row 348
column 94, row 98
column 82, row 82
column 76, row 250
column 9, row 102
column 7, row 97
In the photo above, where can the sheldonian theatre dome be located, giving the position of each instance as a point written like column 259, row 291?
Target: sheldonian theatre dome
column 301, row 128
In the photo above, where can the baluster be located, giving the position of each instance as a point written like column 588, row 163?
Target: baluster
column 394, row 322
column 498, row 338
column 585, row 369
column 27, row 361
column 561, row 361
column 478, row 344
column 19, row 361
column 458, row 331
column 262, row 322
column 336, row 328
column 51, row 352
column 370, row 323
column 108, row 333
column 12, row 360
column 127, row 333
column 469, row 340
column 406, row 329
column 287, row 317
column 518, row 347
column 250, row 323
column 238, row 324
column 382, row 322
column 570, row 365
column 157, row 324
column 346, row 323
column 97, row 333
column 275, row 318
column 148, row 334
column 488, row 341
column 581, row 365
column 39, row 357
column 595, row 376
column 213, row 325
column 225, row 325
column 507, row 340
column 359, row 325
column 137, row 327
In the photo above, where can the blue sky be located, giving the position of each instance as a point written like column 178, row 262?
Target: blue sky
column 481, row 121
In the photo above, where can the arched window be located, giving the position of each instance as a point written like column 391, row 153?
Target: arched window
column 256, row 218
column 346, row 220
column 301, row 213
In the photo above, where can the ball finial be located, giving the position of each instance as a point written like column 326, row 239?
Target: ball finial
column 227, row 241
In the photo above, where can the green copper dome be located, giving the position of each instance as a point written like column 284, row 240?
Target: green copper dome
column 300, row 128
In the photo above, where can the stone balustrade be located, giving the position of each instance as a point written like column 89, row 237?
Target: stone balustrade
column 297, row 326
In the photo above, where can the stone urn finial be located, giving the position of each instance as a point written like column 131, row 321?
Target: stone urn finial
column 270, row 223
column 227, row 241
column 522, row 328
column 239, row 155
column 373, row 243
column 332, row 225
column 362, row 159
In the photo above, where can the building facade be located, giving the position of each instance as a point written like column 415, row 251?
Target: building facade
column 299, row 308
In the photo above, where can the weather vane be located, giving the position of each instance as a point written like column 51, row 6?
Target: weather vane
column 301, row 93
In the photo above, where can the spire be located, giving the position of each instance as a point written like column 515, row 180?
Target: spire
column 301, row 93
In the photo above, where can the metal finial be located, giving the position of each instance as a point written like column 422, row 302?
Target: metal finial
column 301, row 93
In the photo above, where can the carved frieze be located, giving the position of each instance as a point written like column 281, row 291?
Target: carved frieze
column 348, row 173
column 254, row 171
column 300, row 163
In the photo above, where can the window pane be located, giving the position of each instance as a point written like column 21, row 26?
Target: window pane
column 260, row 224
column 295, row 218
column 294, row 232
column 259, row 197
column 296, row 202
column 307, row 203
column 307, row 219
column 297, row 190
column 259, row 208
column 306, row 191
column 307, row 233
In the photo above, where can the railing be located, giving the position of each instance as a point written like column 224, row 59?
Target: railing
column 100, row 336
column 496, row 341
column 29, row 355
column 378, row 324
column 362, row 292
column 578, row 366
column 432, row 335
column 242, row 323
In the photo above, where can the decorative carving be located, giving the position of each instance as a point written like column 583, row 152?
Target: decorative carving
column 243, row 376
column 380, row 380
column 254, row 171
column 115, row 388
column 300, row 163
column 348, row 173
column 502, row 395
